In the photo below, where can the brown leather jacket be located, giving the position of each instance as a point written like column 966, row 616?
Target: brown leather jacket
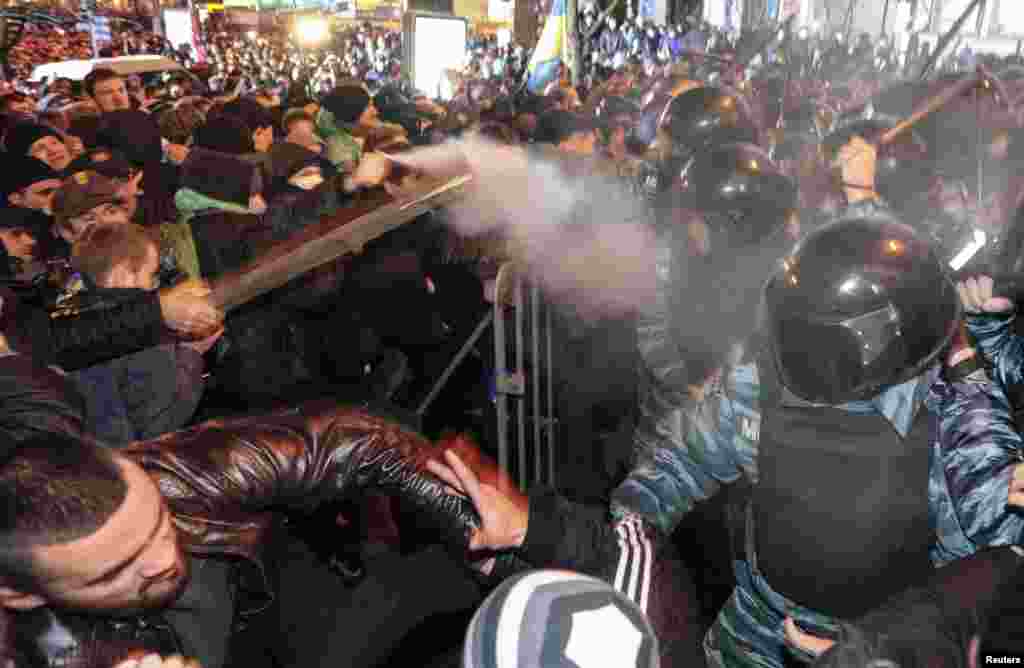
column 227, row 483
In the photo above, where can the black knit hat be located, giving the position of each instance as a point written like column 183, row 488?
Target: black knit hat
column 347, row 103
column 22, row 171
column 19, row 139
column 134, row 134
column 224, row 133
column 220, row 176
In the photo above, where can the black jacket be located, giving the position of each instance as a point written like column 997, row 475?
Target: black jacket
column 86, row 330
column 35, row 400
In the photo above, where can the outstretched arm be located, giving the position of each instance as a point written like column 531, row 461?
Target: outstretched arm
column 295, row 459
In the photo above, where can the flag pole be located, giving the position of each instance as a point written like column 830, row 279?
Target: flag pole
column 572, row 35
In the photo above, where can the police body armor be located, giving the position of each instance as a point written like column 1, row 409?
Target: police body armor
column 841, row 508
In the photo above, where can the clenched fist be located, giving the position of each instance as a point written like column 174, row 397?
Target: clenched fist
column 857, row 161
column 188, row 309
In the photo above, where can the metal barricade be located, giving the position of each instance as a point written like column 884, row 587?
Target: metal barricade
column 523, row 382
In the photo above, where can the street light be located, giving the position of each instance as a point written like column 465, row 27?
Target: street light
column 311, row 31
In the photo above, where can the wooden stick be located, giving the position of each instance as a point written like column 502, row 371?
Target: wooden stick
column 932, row 105
column 344, row 234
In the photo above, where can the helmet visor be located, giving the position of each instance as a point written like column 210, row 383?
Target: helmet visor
column 829, row 362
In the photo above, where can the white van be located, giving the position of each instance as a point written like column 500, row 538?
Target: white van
column 77, row 70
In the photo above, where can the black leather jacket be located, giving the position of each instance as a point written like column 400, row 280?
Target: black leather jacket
column 227, row 483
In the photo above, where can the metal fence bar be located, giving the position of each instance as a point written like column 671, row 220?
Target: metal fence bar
column 456, row 361
column 500, row 399
column 512, row 354
column 520, row 325
column 535, row 375
column 550, row 369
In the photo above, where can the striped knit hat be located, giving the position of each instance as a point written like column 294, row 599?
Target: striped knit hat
column 559, row 619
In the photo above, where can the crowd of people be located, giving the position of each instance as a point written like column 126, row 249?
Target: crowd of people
column 763, row 297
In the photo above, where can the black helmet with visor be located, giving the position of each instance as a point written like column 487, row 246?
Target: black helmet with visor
column 860, row 305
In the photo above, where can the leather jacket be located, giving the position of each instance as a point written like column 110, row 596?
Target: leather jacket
column 227, row 483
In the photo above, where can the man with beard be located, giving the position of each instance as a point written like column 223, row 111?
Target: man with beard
column 162, row 546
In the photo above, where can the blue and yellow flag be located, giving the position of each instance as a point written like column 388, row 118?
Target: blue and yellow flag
column 552, row 49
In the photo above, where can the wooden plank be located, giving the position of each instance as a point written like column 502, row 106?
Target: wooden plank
column 342, row 234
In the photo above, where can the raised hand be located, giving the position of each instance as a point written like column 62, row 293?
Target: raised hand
column 976, row 296
column 1016, row 497
column 503, row 509
column 188, row 308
